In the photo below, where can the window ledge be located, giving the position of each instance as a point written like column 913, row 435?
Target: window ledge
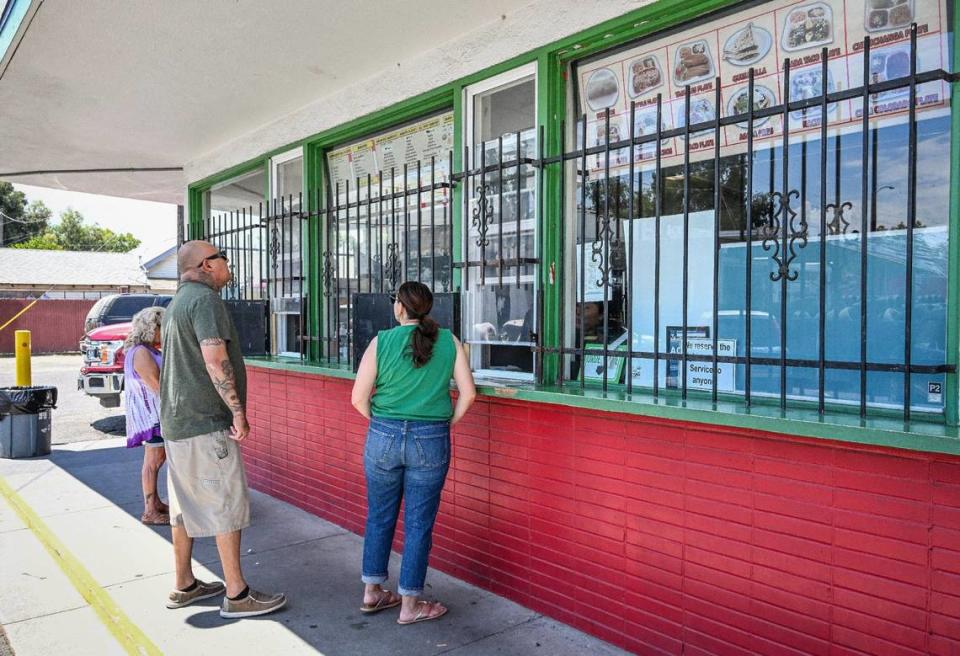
column 302, row 366
column 876, row 431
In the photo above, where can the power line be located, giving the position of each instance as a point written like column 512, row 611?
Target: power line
column 21, row 221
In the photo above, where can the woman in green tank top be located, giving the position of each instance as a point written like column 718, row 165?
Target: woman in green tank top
column 407, row 370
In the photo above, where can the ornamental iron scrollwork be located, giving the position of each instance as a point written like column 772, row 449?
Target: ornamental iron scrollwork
column 597, row 256
column 782, row 235
column 838, row 225
column 234, row 283
column 445, row 273
column 482, row 215
column 392, row 270
column 327, row 274
column 275, row 246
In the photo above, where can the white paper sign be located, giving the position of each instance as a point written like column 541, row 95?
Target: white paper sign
column 700, row 374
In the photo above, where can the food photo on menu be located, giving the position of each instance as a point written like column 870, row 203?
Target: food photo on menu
column 747, row 46
column 693, row 63
column 738, row 104
column 701, row 111
column 887, row 14
column 602, row 89
column 601, row 132
column 617, row 132
column 645, row 75
column 808, row 26
column 890, row 63
column 806, row 84
column 645, row 124
column 645, row 120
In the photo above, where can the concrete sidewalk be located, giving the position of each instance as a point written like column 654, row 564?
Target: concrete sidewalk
column 88, row 496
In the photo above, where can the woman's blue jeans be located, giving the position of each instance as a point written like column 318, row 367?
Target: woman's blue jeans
column 405, row 460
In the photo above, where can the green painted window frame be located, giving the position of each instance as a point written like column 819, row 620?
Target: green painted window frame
column 553, row 62
column 316, row 149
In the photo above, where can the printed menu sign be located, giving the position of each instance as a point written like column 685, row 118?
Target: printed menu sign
column 762, row 37
column 389, row 152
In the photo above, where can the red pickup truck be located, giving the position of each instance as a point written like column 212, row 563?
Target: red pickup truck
column 102, row 373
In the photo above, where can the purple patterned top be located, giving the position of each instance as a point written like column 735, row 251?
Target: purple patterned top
column 143, row 406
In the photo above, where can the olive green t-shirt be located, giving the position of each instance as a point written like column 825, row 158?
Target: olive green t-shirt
column 407, row 392
column 189, row 403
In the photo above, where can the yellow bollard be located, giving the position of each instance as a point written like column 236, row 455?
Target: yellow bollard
column 21, row 340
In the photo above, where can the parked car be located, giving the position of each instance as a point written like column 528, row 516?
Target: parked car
column 120, row 308
column 101, row 375
column 105, row 329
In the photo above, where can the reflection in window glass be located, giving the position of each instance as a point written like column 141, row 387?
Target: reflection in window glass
column 230, row 209
column 501, row 236
column 242, row 192
column 286, row 234
column 836, row 226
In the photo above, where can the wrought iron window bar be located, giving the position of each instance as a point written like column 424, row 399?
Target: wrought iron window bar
column 782, row 232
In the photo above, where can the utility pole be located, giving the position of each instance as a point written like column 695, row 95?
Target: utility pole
column 179, row 235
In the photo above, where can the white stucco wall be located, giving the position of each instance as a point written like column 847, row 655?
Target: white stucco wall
column 528, row 27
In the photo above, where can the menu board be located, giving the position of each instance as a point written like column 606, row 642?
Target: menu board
column 761, row 37
column 387, row 153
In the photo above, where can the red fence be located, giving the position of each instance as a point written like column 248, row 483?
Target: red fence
column 662, row 537
column 55, row 326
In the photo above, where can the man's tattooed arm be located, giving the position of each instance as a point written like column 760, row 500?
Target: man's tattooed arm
column 226, row 384
column 221, row 373
column 224, row 379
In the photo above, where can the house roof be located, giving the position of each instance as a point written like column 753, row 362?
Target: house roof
column 159, row 257
column 57, row 269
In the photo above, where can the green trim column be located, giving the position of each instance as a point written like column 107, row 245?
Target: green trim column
column 952, row 400
column 313, row 179
column 456, row 195
column 194, row 213
column 551, row 90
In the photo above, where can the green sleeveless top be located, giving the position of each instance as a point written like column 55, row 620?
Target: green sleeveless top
column 406, row 392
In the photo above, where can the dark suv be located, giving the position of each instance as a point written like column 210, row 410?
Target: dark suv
column 120, row 308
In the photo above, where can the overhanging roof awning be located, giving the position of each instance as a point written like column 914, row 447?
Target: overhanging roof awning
column 122, row 91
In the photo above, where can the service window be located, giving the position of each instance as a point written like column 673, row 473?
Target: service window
column 389, row 218
column 782, row 243
column 285, row 234
column 500, row 237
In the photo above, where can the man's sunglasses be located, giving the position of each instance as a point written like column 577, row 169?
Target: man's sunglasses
column 221, row 255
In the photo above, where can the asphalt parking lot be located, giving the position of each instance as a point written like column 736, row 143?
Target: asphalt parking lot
column 78, row 417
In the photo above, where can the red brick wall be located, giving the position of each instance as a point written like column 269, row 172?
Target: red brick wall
column 55, row 326
column 657, row 536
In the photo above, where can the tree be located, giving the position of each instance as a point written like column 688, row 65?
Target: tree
column 44, row 242
column 20, row 222
column 72, row 234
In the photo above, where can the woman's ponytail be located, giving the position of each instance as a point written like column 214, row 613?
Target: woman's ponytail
column 424, row 337
column 417, row 300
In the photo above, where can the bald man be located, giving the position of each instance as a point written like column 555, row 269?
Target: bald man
column 203, row 393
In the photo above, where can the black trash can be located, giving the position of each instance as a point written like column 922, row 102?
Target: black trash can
column 25, row 429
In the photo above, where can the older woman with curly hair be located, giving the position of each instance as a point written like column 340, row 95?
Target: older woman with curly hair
column 141, row 390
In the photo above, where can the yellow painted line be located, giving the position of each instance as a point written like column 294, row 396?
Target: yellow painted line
column 128, row 634
column 14, row 317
